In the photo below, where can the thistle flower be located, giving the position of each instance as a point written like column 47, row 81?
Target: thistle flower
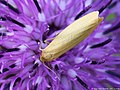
column 25, row 25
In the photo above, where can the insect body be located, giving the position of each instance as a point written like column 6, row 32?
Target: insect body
column 71, row 36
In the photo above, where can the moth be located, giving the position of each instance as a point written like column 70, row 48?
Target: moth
column 71, row 36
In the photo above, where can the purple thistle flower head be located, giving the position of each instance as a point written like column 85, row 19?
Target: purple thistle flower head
column 26, row 25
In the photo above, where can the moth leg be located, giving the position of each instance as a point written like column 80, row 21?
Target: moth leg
column 57, row 33
column 47, row 40
column 40, row 47
column 50, row 39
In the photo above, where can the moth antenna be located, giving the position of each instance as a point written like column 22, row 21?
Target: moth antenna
column 51, row 70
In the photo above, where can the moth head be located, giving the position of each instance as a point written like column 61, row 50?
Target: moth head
column 46, row 57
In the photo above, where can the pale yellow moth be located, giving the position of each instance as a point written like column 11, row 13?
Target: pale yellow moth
column 71, row 36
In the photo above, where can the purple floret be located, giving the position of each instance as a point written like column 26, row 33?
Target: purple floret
column 26, row 24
